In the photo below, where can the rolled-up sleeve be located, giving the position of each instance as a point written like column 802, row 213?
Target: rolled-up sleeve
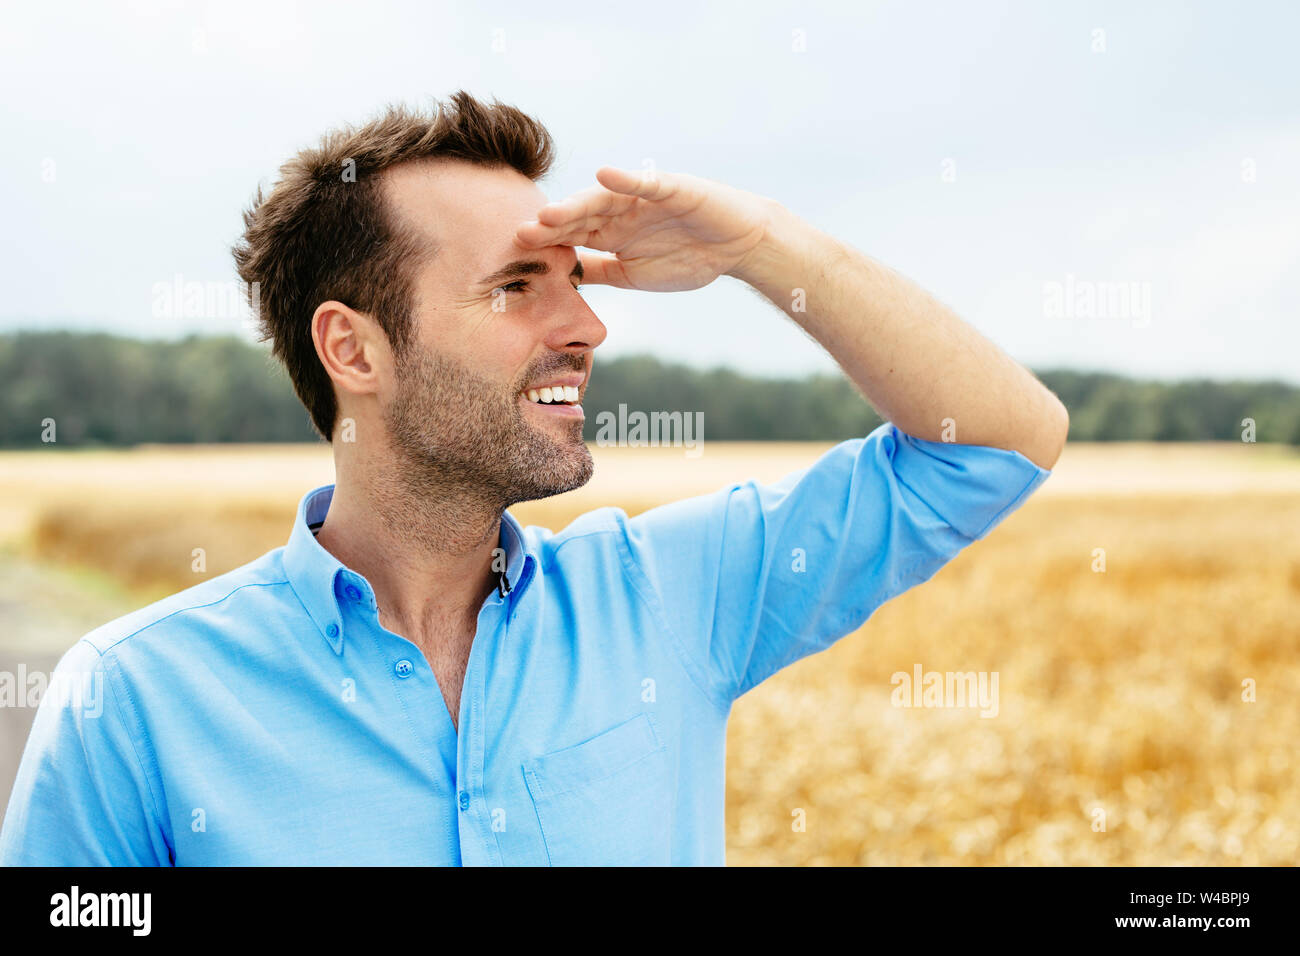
column 754, row 577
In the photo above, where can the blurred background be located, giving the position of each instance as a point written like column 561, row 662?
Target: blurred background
column 1111, row 193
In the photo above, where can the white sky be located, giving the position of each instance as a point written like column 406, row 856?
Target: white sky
column 135, row 133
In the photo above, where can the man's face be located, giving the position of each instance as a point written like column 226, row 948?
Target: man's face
column 493, row 322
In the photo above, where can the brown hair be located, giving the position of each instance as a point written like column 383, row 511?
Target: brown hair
column 325, row 232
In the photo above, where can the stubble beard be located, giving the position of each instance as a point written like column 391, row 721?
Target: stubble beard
column 459, row 435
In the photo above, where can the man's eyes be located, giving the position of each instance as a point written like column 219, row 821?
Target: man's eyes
column 519, row 285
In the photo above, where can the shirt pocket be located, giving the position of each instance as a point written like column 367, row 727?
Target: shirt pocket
column 606, row 801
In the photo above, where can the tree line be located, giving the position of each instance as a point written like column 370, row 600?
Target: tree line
column 100, row 389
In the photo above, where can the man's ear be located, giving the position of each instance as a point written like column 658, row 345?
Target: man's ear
column 351, row 346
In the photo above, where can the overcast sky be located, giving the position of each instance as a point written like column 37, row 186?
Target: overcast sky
column 1104, row 185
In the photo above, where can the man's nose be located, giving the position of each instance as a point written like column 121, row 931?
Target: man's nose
column 579, row 329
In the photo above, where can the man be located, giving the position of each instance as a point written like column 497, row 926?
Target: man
column 416, row 679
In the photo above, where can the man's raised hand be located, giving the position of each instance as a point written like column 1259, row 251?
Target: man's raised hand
column 667, row 232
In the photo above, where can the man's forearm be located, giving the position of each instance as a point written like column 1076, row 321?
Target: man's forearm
column 923, row 368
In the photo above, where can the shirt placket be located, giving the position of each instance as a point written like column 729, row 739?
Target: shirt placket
column 420, row 698
column 478, row 845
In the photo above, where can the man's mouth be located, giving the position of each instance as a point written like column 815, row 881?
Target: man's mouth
column 557, row 397
column 553, row 395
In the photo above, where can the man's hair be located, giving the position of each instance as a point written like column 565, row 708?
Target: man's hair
column 325, row 231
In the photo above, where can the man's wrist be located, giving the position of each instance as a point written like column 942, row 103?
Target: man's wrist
column 775, row 251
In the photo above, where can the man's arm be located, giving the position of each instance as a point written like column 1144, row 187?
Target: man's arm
column 83, row 795
column 756, row 576
column 915, row 361
column 750, row 579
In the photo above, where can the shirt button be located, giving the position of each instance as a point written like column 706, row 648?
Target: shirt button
column 332, row 630
column 404, row 668
column 352, row 593
column 464, row 799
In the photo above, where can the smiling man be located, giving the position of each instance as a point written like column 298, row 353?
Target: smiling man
column 417, row 679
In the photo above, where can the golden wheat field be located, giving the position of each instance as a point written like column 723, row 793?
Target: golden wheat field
column 1148, row 713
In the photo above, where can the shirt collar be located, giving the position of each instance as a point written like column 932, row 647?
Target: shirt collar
column 520, row 562
column 322, row 582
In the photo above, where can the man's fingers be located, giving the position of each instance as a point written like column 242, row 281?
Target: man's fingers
column 617, row 191
column 574, row 220
column 600, row 269
column 593, row 201
column 647, row 184
column 537, row 234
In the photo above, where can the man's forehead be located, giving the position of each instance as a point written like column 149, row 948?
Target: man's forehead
column 470, row 212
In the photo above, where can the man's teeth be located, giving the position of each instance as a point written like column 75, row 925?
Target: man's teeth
column 553, row 395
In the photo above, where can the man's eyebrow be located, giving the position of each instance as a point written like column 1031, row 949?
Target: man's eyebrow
column 525, row 267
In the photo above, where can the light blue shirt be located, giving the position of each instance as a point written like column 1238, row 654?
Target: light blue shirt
column 266, row 717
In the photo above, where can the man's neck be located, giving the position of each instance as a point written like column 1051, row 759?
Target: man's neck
column 427, row 555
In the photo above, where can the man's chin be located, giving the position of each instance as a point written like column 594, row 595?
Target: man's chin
column 567, row 470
